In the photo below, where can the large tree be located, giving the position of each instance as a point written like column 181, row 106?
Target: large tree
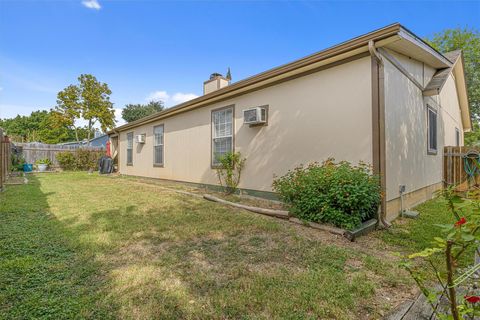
column 467, row 40
column 133, row 112
column 39, row 127
column 88, row 100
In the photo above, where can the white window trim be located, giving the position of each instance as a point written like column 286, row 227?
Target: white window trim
column 162, row 144
column 232, row 135
column 130, row 134
column 430, row 150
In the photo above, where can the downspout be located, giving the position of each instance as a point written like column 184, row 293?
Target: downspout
column 378, row 127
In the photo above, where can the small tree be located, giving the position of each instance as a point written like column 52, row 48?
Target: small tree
column 133, row 112
column 89, row 100
column 230, row 170
column 445, row 262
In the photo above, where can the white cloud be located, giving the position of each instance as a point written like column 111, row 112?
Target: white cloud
column 118, row 117
column 170, row 99
column 180, row 97
column 158, row 95
column 92, row 4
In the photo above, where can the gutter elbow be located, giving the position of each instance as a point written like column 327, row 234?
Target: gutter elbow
column 373, row 51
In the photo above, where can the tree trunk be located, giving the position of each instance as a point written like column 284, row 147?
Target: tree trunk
column 89, row 131
column 76, row 134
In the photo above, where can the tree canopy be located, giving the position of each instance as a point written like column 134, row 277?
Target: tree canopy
column 39, row 127
column 468, row 40
column 88, row 100
column 133, row 112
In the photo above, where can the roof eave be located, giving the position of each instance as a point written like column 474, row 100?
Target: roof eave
column 342, row 48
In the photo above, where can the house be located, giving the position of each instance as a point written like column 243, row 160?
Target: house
column 99, row 140
column 386, row 98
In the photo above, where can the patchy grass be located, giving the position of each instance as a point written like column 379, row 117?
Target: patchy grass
column 412, row 235
column 74, row 245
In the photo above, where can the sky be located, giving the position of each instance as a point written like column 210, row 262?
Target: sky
column 149, row 50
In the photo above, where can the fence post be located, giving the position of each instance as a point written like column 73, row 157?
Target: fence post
column 2, row 156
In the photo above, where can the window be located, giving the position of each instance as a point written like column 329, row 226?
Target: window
column 158, row 145
column 130, row 148
column 457, row 137
column 432, row 130
column 222, row 133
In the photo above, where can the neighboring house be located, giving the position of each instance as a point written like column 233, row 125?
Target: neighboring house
column 100, row 140
column 386, row 98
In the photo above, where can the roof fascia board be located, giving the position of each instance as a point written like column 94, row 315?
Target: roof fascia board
column 461, row 85
column 355, row 46
column 409, row 36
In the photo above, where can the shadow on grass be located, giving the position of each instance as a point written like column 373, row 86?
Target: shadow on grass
column 112, row 249
column 174, row 261
column 43, row 273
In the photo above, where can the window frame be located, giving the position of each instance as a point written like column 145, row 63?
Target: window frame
column 212, row 127
column 430, row 150
column 133, row 136
column 155, row 164
column 457, row 137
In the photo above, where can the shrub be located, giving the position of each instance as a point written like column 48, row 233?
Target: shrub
column 338, row 193
column 80, row 159
column 17, row 162
column 66, row 160
column 230, row 170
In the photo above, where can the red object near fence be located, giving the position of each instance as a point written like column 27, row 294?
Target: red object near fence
column 108, row 153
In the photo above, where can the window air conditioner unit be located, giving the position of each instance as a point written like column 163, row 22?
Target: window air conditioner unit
column 257, row 115
column 140, row 138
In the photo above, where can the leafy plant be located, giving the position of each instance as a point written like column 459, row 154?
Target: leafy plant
column 133, row 112
column 66, row 160
column 17, row 162
column 88, row 100
column 80, row 159
column 44, row 161
column 230, row 170
column 445, row 261
column 338, row 193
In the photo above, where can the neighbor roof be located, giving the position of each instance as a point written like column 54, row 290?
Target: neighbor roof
column 395, row 36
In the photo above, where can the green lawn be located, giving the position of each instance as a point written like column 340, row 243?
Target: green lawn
column 74, row 245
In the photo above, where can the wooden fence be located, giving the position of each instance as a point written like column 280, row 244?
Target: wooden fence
column 34, row 151
column 454, row 164
column 4, row 158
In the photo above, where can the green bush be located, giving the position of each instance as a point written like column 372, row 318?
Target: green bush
column 337, row 193
column 79, row 159
column 17, row 161
column 230, row 171
column 66, row 160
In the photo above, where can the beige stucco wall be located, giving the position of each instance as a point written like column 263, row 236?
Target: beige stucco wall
column 325, row 114
column 407, row 161
column 422, row 72
column 451, row 112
